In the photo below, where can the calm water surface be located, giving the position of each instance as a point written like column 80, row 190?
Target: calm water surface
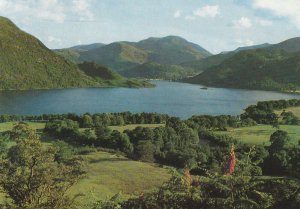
column 176, row 99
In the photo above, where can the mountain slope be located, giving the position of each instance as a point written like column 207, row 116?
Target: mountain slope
column 172, row 50
column 259, row 46
column 25, row 63
column 159, row 71
column 265, row 69
column 215, row 60
column 87, row 47
column 117, row 56
column 108, row 77
column 291, row 45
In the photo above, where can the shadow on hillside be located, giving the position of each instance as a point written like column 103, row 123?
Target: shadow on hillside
column 108, row 160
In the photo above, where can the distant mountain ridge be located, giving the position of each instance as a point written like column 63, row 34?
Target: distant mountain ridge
column 264, row 66
column 120, row 56
column 214, row 60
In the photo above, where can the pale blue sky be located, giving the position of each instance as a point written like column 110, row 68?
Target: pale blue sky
column 217, row 25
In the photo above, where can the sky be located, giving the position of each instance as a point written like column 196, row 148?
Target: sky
column 216, row 25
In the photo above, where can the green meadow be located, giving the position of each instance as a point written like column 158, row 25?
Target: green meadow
column 294, row 110
column 260, row 134
column 133, row 126
column 109, row 174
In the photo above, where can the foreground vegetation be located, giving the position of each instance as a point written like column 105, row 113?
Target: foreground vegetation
column 106, row 174
column 212, row 169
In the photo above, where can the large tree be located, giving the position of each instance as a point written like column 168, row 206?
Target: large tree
column 31, row 176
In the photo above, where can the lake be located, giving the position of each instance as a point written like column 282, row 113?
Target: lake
column 176, row 99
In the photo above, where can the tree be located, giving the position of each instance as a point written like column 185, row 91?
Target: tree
column 279, row 139
column 279, row 158
column 31, row 176
column 144, row 151
column 87, row 121
column 103, row 134
column 121, row 142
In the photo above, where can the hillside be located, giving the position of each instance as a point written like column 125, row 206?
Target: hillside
column 116, row 56
column 159, row 71
column 291, row 45
column 214, row 60
column 25, row 63
column 120, row 56
column 172, row 50
column 107, row 77
column 264, row 69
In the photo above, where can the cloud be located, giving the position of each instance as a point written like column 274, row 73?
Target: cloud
column 51, row 10
column 243, row 22
column 190, row 17
column 245, row 42
column 82, row 8
column 3, row 4
column 177, row 14
column 265, row 22
column 282, row 8
column 48, row 10
column 207, row 11
column 54, row 40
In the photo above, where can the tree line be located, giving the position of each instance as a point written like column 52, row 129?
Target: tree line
column 88, row 120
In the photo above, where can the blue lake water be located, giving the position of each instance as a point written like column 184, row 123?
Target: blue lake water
column 176, row 99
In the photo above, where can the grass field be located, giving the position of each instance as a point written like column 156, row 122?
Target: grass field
column 260, row 134
column 295, row 110
column 38, row 126
column 109, row 174
column 9, row 125
column 133, row 126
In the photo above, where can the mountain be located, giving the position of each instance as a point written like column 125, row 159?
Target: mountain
column 267, row 67
column 291, row 45
column 263, row 69
column 25, row 63
column 152, row 70
column 215, row 60
column 172, row 50
column 119, row 56
column 87, row 47
column 259, row 46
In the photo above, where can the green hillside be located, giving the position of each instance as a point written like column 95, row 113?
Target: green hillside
column 291, row 45
column 116, row 56
column 264, row 69
column 172, row 50
column 25, row 63
column 215, row 60
column 159, row 71
column 107, row 77
column 204, row 64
